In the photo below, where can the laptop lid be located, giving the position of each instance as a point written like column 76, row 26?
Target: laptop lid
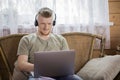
column 54, row 63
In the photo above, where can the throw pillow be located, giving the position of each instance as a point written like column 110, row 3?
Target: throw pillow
column 105, row 68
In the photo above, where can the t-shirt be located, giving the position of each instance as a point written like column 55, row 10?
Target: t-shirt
column 33, row 43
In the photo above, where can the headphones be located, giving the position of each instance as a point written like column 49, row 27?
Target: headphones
column 36, row 22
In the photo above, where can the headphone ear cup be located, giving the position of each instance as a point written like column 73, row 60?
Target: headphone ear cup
column 36, row 23
column 54, row 22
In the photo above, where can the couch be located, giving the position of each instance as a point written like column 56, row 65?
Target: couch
column 82, row 43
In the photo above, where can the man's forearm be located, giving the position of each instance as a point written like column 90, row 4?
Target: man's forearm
column 25, row 66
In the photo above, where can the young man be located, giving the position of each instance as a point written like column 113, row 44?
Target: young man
column 42, row 40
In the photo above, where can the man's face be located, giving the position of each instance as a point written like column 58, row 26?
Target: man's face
column 44, row 25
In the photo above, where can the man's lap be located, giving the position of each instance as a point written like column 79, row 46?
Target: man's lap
column 69, row 77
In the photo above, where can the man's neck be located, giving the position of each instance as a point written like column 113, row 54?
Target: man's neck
column 44, row 37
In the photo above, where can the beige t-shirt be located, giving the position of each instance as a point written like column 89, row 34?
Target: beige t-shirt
column 33, row 43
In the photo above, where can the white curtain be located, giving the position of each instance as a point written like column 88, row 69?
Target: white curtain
column 91, row 16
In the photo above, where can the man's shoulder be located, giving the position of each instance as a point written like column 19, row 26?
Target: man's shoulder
column 29, row 36
column 57, row 36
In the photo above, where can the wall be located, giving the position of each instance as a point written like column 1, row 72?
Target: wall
column 114, row 11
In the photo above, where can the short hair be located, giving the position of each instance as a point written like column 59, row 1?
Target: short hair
column 45, row 12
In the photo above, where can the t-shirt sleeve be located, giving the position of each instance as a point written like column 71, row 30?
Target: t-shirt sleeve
column 64, row 44
column 23, row 46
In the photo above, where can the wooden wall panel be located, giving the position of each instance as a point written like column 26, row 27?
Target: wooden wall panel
column 115, row 18
column 115, row 31
column 114, row 42
column 114, row 0
column 114, row 36
column 114, row 7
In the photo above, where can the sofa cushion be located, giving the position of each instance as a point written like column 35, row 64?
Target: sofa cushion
column 105, row 68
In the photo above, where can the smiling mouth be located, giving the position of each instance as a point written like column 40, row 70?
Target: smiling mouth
column 46, row 30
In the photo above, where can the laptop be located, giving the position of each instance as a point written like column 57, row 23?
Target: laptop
column 54, row 63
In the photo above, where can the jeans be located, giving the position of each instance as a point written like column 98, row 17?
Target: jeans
column 69, row 77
